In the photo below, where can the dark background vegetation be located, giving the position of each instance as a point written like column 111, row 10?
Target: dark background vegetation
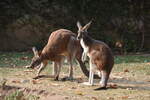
column 122, row 24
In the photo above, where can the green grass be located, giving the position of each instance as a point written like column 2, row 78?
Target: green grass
column 10, row 59
column 15, row 58
column 132, row 59
column 137, row 64
column 134, row 63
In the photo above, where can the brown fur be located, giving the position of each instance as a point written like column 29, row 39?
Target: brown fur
column 59, row 45
column 54, row 48
column 99, row 53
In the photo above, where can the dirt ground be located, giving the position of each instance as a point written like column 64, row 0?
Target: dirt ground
column 121, row 86
column 128, row 81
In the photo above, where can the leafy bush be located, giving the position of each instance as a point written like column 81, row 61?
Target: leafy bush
column 113, row 20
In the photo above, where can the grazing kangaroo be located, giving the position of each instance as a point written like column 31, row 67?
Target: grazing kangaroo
column 62, row 43
column 100, row 56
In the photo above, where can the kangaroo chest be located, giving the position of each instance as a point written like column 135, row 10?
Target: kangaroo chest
column 85, row 48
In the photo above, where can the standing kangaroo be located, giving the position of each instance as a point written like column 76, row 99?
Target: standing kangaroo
column 62, row 43
column 100, row 56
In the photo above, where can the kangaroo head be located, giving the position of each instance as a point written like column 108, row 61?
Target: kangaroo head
column 36, row 61
column 82, row 31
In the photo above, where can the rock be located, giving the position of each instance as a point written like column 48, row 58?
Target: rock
column 25, row 81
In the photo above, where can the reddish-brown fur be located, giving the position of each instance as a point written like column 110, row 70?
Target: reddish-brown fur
column 61, row 43
column 55, row 48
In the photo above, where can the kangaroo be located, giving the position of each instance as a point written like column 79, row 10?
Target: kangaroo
column 100, row 56
column 62, row 43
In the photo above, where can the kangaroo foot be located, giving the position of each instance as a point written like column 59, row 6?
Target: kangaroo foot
column 56, row 78
column 87, row 83
column 100, row 88
column 67, row 79
column 37, row 77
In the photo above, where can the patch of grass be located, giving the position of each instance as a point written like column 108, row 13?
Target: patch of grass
column 132, row 59
column 18, row 95
column 136, row 64
column 32, row 97
column 8, row 59
column 7, row 71
column 137, row 68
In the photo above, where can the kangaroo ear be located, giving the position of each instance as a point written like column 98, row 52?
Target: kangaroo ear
column 79, row 25
column 87, row 26
column 35, row 51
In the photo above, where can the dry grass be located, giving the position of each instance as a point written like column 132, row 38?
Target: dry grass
column 130, row 80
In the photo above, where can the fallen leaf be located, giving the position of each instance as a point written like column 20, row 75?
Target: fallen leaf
column 35, row 90
column 53, row 94
column 126, row 70
column 114, row 86
column 94, row 98
column 125, row 97
column 34, row 81
column 66, row 97
column 79, row 93
column 73, row 87
column 41, row 91
column 16, row 81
